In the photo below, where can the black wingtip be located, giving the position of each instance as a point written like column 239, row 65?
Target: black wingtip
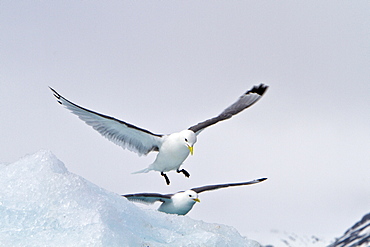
column 261, row 179
column 260, row 89
column 55, row 93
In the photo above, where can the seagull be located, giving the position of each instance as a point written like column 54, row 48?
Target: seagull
column 173, row 148
column 181, row 202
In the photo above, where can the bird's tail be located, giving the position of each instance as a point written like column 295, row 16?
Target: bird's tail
column 146, row 170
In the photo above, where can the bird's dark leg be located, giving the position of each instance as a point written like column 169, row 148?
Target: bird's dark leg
column 184, row 172
column 166, row 178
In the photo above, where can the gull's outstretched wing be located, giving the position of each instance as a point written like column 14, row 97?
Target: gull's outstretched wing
column 244, row 101
column 148, row 198
column 219, row 186
column 121, row 133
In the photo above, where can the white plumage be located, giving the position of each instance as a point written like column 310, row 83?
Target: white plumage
column 172, row 149
column 181, row 202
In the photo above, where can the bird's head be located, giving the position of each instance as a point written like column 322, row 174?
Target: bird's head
column 191, row 196
column 183, row 202
column 189, row 139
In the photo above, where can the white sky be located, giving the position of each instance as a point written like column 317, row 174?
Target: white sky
column 166, row 65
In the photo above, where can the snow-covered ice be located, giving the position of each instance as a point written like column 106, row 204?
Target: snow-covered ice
column 43, row 204
column 281, row 238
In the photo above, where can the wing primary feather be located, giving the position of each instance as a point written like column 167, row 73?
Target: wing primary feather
column 121, row 133
column 246, row 100
column 59, row 97
column 220, row 186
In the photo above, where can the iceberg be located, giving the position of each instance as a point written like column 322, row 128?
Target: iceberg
column 43, row 204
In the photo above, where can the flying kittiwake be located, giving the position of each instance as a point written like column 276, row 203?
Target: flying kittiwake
column 181, row 202
column 173, row 148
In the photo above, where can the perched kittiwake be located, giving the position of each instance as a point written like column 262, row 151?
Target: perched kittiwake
column 172, row 149
column 181, row 202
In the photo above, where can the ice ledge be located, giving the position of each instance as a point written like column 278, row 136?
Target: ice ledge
column 43, row 204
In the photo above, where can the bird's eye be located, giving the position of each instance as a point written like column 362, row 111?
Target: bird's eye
column 186, row 139
column 189, row 195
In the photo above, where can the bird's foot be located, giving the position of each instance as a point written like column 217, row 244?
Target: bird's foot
column 184, row 172
column 166, row 178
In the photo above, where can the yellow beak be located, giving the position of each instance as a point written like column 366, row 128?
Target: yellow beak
column 191, row 150
column 196, row 199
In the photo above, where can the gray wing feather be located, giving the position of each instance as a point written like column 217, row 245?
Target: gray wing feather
column 148, row 198
column 220, row 186
column 121, row 133
column 244, row 101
